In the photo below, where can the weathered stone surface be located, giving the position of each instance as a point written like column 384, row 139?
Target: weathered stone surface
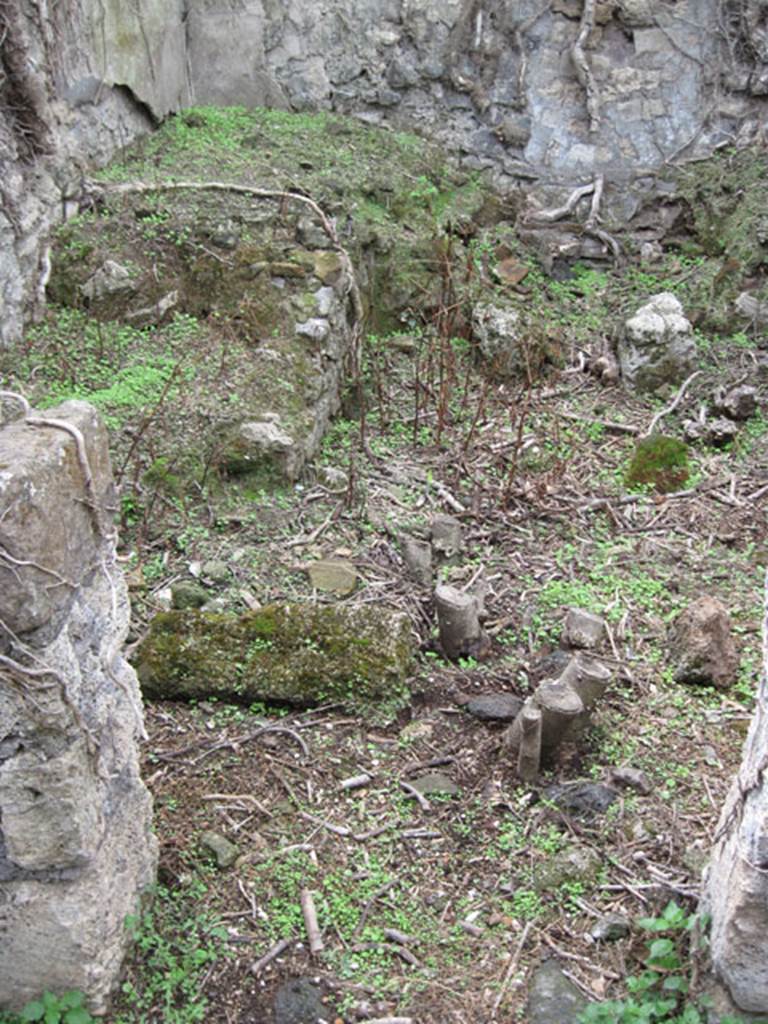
column 739, row 403
column 495, row 707
column 583, row 629
column 186, row 594
column 435, row 784
column 76, row 848
column 334, row 576
column 301, row 654
column 261, row 447
column 110, row 279
column 751, row 308
column 630, row 778
column 702, row 649
column 299, row 1001
column 498, row 337
column 610, row 928
column 657, row 346
column 219, row 846
column 39, row 473
column 582, row 798
column 736, row 891
column 553, row 998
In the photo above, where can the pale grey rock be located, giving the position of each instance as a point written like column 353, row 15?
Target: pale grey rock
column 657, row 346
column 497, row 330
column 215, row 570
column 752, row 308
column 76, row 846
column 333, row 576
column 702, row 648
column 316, row 329
column 110, row 279
column 585, row 799
column 325, row 299
column 435, row 784
column 256, row 445
column 219, row 846
column 583, row 629
column 626, row 777
column 610, row 928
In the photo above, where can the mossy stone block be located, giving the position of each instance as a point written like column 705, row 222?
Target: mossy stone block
column 300, row 654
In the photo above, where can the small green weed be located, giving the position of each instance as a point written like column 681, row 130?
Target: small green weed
column 68, row 1008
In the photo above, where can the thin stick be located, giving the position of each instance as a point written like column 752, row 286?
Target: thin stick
column 513, row 962
column 310, row 922
column 279, row 947
column 672, row 405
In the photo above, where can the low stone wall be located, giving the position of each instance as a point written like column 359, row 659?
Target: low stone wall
column 76, row 847
column 737, row 881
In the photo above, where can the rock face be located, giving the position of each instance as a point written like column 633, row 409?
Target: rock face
column 100, row 73
column 737, row 880
column 702, row 646
column 657, row 346
column 76, row 848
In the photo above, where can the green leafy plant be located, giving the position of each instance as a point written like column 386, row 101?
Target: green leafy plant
column 659, row 462
column 661, row 993
column 68, row 1008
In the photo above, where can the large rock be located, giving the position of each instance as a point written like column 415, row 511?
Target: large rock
column 499, row 338
column 76, row 847
column 702, row 649
column 657, row 346
column 298, row 653
column 736, row 892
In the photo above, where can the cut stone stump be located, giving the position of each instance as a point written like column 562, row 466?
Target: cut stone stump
column 76, row 846
column 447, row 538
column 529, row 754
column 457, row 618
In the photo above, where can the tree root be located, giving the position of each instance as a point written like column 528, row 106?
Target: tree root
column 583, row 69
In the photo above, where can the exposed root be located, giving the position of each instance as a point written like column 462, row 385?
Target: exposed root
column 583, row 69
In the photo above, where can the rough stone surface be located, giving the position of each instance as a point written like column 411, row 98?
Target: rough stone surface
column 298, row 653
column 495, row 707
column 610, row 928
column 553, row 999
column 219, row 846
column 334, row 576
column 498, row 335
column 435, row 783
column 582, row 798
column 111, row 69
column 702, row 649
column 657, row 346
column 583, row 629
column 299, row 1001
column 739, row 403
column 76, row 848
column 736, row 888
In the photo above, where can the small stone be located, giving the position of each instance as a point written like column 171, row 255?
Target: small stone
column 333, row 576
column 435, row 784
column 739, row 403
column 583, row 629
column 188, row 595
column 287, row 269
column 553, row 998
column 720, row 431
column 610, row 928
column 752, row 308
column 215, row 571
column 225, row 236
column 315, row 329
column 511, row 271
column 495, row 707
column 299, row 1001
column 587, row 799
column 328, row 266
column 324, row 300
column 630, row 778
column 702, row 646
column 226, row 853
column 110, row 279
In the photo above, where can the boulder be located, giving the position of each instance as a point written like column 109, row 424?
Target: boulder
column 657, row 346
column 583, row 629
column 263, row 448
column 739, row 403
column 299, row 654
column 702, row 649
column 553, row 998
column 497, row 330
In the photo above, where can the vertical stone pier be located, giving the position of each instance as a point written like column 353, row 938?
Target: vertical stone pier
column 737, row 879
column 76, row 846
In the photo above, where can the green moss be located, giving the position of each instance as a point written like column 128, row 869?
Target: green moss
column 659, row 462
column 300, row 654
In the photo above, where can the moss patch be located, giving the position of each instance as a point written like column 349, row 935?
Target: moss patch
column 660, row 462
column 293, row 653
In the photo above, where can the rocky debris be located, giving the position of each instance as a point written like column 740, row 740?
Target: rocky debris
column 583, row 629
column 610, row 928
column 751, row 308
column 497, row 330
column 186, row 594
column 573, row 864
column 630, row 778
column 219, row 846
column 581, row 798
column 259, row 447
column 434, row 784
column 494, row 707
column 657, row 346
column 333, row 576
column 76, row 845
column 702, row 648
column 553, row 998
column 298, row 653
column 215, row 571
column 739, row 403
column 718, row 431
column 110, row 279
column 300, row 1001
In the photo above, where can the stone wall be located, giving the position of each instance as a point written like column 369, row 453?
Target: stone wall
column 495, row 81
column 76, row 847
column 737, row 878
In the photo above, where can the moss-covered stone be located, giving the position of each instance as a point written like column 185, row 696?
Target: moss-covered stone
column 301, row 654
column 659, row 462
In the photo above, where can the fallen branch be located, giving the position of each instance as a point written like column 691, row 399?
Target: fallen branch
column 279, row 947
column 672, row 405
column 309, row 912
